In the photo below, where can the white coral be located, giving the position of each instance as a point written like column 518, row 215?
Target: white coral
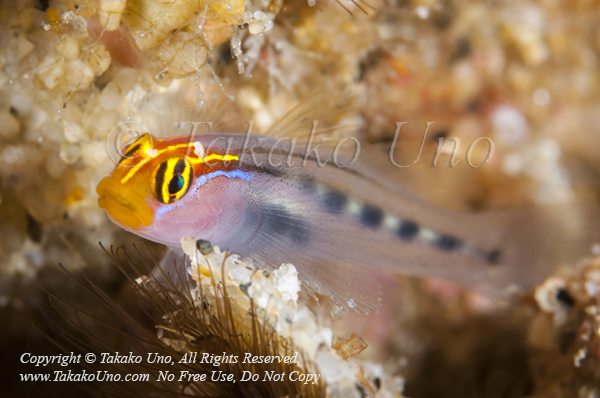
column 275, row 298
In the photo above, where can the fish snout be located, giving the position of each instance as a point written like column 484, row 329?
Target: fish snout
column 122, row 205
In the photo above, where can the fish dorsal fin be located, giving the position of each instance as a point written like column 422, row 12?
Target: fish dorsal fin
column 170, row 115
column 328, row 110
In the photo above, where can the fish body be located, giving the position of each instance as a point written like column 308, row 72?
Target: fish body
column 273, row 202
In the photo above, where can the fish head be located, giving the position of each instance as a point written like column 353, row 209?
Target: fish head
column 152, row 174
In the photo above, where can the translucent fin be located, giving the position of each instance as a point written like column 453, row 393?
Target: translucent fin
column 162, row 114
column 538, row 240
column 327, row 249
column 325, row 108
column 171, row 271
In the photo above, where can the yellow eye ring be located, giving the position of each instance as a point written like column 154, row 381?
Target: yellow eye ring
column 172, row 179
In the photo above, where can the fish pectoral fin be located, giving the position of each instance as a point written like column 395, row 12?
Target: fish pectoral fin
column 331, row 257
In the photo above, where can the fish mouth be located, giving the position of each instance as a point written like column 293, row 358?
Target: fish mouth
column 123, row 206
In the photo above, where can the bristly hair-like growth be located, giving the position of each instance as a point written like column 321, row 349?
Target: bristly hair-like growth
column 186, row 323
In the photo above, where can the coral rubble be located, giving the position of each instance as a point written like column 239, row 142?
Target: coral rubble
column 522, row 73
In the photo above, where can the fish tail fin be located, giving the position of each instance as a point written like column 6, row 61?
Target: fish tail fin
column 536, row 241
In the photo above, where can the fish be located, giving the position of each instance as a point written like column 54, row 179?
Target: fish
column 339, row 222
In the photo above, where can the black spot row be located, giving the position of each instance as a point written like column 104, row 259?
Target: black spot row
column 334, row 200
column 407, row 230
column 447, row 242
column 371, row 216
column 493, row 256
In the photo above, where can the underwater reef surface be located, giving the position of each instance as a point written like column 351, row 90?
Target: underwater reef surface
column 522, row 73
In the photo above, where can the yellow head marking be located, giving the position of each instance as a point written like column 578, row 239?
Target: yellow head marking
column 152, row 168
column 139, row 148
column 214, row 156
column 144, row 147
column 172, row 179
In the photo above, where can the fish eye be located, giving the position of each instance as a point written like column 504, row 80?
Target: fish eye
column 176, row 184
column 172, row 179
